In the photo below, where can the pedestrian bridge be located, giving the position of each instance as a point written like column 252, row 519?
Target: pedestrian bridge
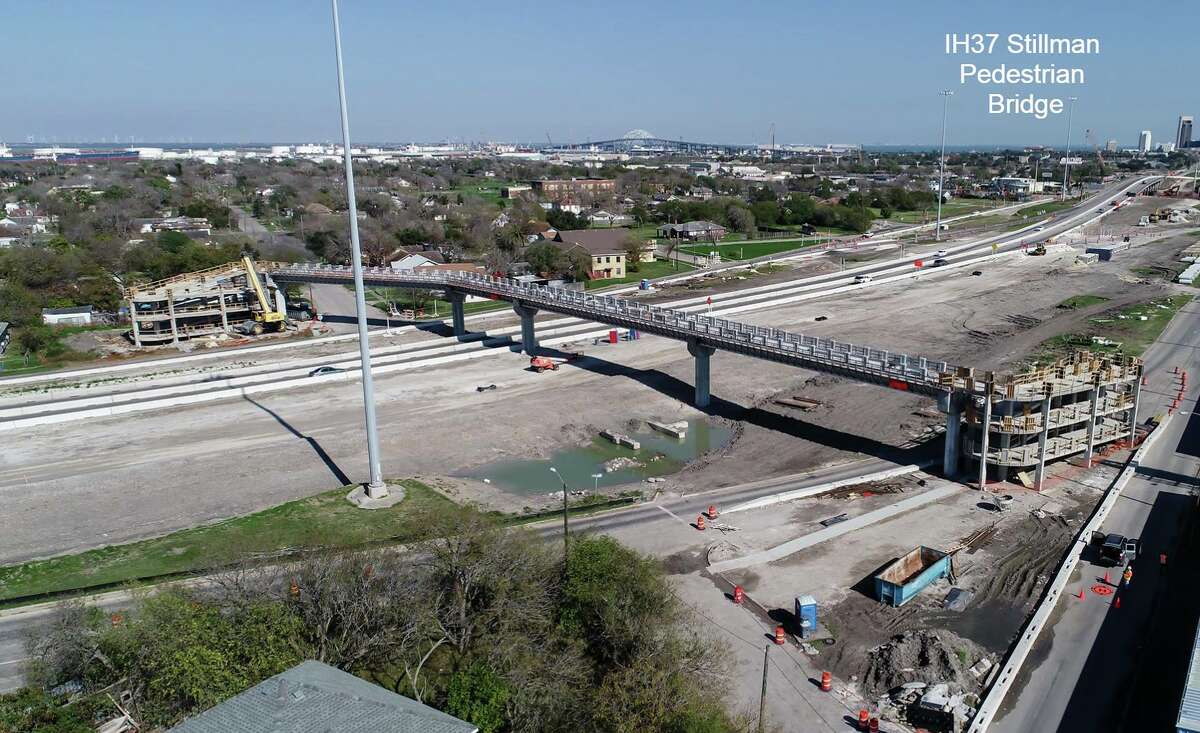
column 703, row 334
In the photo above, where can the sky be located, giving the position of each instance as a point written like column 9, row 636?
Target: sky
column 819, row 71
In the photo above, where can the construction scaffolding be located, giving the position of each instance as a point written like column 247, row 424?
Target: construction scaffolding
column 218, row 300
column 1071, row 407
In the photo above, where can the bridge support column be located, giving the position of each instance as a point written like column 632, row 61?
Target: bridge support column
column 457, row 314
column 953, row 440
column 171, row 313
column 133, row 322
column 1091, row 425
column 529, row 342
column 1133, row 412
column 701, row 352
column 1043, row 439
column 224, row 311
column 984, row 426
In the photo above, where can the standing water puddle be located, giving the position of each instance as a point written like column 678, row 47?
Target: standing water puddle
column 658, row 455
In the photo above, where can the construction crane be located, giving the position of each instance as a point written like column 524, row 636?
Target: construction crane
column 266, row 316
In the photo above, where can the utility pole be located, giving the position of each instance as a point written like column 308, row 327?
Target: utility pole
column 937, row 235
column 376, row 488
column 762, row 697
column 1067, row 159
column 566, row 546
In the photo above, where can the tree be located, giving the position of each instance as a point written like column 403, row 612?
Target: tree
column 544, row 258
column 478, row 695
column 632, row 245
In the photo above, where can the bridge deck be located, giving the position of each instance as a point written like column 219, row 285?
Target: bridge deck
column 899, row 371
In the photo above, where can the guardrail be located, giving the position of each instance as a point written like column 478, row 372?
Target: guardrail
column 902, row 371
column 1020, row 651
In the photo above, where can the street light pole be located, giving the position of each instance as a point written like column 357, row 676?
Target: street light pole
column 375, row 488
column 1067, row 159
column 937, row 235
column 564, row 488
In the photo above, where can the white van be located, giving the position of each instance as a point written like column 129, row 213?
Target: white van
column 863, row 279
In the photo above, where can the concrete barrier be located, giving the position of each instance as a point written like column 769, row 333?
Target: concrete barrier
column 1029, row 635
column 822, row 488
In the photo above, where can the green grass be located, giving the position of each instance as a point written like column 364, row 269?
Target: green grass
column 1124, row 327
column 1044, row 208
column 324, row 520
column 1075, row 302
column 749, row 250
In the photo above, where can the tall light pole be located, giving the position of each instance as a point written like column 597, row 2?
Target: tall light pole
column 1067, row 159
column 937, row 234
column 564, row 487
column 375, row 488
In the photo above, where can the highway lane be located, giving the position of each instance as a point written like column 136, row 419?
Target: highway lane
column 652, row 521
column 749, row 299
column 1078, row 670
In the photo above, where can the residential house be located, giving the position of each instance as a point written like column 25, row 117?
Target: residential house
column 75, row 316
column 511, row 192
column 704, row 193
column 573, row 189
column 10, row 235
column 693, row 230
column 606, row 247
column 193, row 227
column 313, row 697
column 608, row 219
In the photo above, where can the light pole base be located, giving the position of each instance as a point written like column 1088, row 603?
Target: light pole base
column 364, row 496
column 376, row 491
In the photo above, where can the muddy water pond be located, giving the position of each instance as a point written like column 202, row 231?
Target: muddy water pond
column 658, row 455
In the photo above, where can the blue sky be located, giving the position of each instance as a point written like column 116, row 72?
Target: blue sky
column 867, row 71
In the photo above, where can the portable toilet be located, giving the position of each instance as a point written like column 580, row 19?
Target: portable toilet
column 806, row 616
column 644, row 285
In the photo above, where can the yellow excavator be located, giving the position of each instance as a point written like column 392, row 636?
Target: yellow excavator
column 266, row 317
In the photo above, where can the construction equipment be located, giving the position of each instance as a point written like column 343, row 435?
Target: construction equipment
column 540, row 364
column 266, row 317
column 1037, row 251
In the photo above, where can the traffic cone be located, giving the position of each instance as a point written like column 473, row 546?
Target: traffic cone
column 826, row 681
column 779, row 637
column 873, row 726
column 1080, row 596
column 863, row 719
column 1106, row 580
column 700, row 522
column 116, row 619
column 1117, row 602
column 739, row 595
column 712, row 511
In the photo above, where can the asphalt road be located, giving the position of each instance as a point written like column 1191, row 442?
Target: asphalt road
column 15, row 625
column 1082, row 670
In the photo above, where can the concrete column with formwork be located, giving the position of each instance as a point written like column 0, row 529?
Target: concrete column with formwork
column 136, row 330
column 984, row 429
column 529, row 342
column 458, row 315
column 701, row 352
column 1043, row 438
column 224, row 312
column 1094, row 395
column 171, row 313
column 1137, row 400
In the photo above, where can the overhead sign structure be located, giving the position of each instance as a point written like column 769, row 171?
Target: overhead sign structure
column 1070, row 161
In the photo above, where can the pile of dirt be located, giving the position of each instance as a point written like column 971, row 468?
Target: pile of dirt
column 928, row 655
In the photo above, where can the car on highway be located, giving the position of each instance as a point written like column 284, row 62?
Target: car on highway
column 941, row 262
column 322, row 370
column 863, row 279
column 942, row 253
column 1038, row 229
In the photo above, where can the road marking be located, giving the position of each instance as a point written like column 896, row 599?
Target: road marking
column 672, row 514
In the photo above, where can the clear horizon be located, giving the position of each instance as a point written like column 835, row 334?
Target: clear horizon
column 703, row 71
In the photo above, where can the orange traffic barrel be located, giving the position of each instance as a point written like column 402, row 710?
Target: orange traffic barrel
column 700, row 522
column 712, row 511
column 873, row 726
column 863, row 719
column 826, row 681
column 739, row 595
column 779, row 637
column 116, row 619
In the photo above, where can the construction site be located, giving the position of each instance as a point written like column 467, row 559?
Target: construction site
column 922, row 511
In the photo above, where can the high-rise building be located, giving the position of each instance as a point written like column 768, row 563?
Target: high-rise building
column 1144, row 141
column 1110, row 146
column 1183, row 133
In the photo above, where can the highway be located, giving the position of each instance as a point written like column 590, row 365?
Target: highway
column 105, row 400
column 648, row 520
column 1081, row 669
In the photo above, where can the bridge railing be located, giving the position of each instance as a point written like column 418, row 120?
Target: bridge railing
column 719, row 332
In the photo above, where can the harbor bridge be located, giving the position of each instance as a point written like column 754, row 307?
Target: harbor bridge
column 1012, row 421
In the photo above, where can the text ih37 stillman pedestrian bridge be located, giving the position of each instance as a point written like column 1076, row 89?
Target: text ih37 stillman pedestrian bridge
column 1014, row 422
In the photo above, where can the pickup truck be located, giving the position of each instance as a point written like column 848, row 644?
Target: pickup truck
column 1116, row 549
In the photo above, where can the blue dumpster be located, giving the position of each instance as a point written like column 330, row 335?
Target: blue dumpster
column 902, row 580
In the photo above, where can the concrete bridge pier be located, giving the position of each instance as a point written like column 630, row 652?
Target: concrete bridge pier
column 457, row 314
column 1043, row 438
column 985, row 423
column 529, row 342
column 701, row 352
column 952, row 405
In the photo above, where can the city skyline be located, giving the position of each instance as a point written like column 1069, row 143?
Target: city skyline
column 697, row 72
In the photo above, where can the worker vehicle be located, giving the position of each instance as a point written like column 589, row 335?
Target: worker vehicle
column 863, row 279
column 325, row 370
column 1116, row 549
column 540, row 364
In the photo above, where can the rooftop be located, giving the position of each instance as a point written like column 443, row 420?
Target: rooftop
column 595, row 241
column 315, row 698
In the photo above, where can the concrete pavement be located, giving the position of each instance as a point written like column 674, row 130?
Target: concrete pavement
column 1079, row 671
